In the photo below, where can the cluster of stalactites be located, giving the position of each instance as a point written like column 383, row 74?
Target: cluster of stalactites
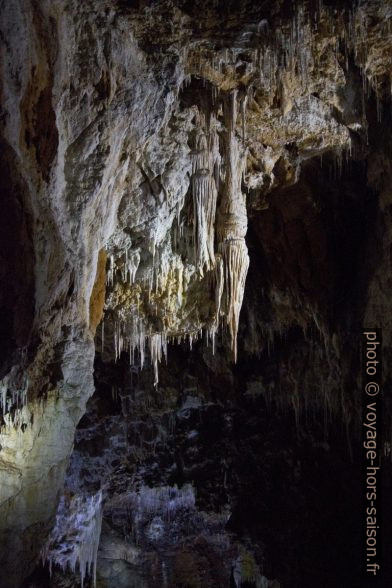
column 298, row 48
column 219, row 241
column 134, row 337
column 231, row 261
column 232, row 227
column 74, row 540
column 128, row 268
column 162, row 501
column 131, row 329
column 204, row 186
column 13, row 396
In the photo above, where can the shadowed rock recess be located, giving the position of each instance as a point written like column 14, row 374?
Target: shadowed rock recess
column 195, row 227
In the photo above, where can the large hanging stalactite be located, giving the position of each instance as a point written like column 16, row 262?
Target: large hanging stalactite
column 205, row 158
column 232, row 225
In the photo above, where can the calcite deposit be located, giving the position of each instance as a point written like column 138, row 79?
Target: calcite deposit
column 196, row 221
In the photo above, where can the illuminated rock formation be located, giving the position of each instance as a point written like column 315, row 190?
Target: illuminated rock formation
column 232, row 226
column 149, row 137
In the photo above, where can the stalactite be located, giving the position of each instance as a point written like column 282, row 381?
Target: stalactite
column 136, row 339
column 219, row 246
column 232, row 225
column 165, row 283
column 158, row 345
column 74, row 539
column 110, row 276
column 219, row 281
column 236, row 262
column 243, row 116
column 204, row 191
column 133, row 262
column 13, row 395
column 165, row 501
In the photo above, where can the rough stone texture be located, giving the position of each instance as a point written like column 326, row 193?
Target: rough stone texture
column 97, row 300
column 100, row 106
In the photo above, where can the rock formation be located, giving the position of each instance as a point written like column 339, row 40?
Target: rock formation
column 184, row 185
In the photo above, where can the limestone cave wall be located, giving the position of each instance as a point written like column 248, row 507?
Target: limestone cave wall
column 196, row 225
